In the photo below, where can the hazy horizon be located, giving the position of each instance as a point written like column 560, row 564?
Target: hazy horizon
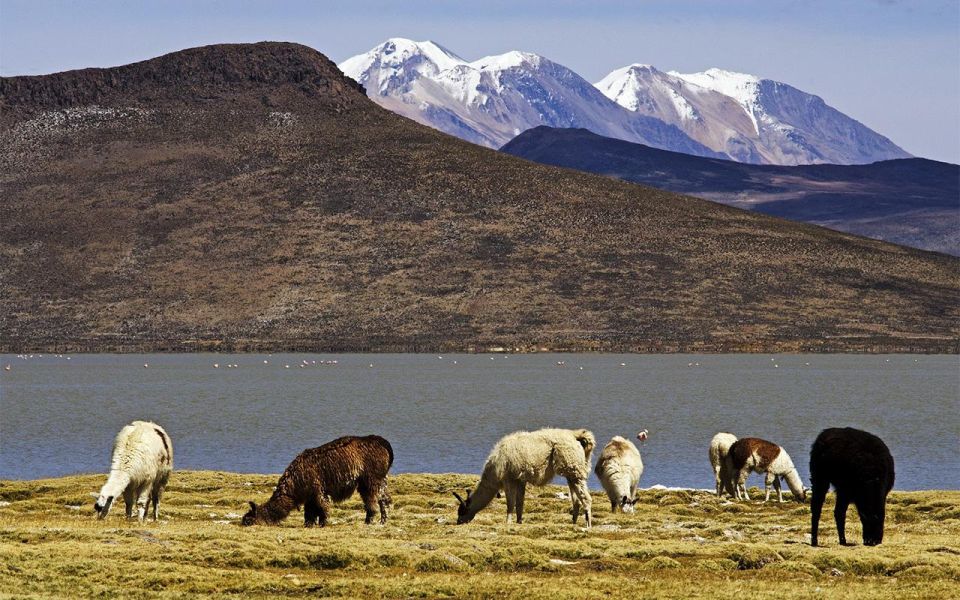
column 893, row 66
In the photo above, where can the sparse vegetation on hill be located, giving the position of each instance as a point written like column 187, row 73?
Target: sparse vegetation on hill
column 249, row 197
column 678, row 544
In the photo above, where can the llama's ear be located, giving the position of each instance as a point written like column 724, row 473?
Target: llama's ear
column 457, row 496
column 468, row 494
column 253, row 506
column 95, row 495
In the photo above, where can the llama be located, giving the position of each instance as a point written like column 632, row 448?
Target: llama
column 619, row 469
column 331, row 472
column 860, row 468
column 719, row 448
column 533, row 457
column 761, row 456
column 141, row 462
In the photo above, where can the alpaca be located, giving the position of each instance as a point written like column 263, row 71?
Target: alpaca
column 719, row 448
column 331, row 472
column 142, row 459
column 619, row 469
column 860, row 467
column 536, row 458
column 761, row 456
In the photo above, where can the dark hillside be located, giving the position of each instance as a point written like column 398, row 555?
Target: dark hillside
column 250, row 197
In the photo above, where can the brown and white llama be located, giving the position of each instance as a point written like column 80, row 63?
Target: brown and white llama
column 767, row 458
column 719, row 448
column 619, row 469
column 533, row 457
column 330, row 473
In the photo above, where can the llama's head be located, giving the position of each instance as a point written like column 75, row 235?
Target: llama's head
column 102, row 504
column 872, row 508
column 252, row 517
column 626, row 504
column 463, row 508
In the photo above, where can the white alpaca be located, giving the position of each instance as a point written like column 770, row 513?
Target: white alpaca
column 619, row 469
column 140, row 467
column 719, row 447
column 536, row 458
column 761, row 456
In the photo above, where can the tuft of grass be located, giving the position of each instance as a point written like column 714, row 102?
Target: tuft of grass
column 678, row 544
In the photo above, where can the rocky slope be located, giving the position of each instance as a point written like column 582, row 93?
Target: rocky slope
column 251, row 197
column 912, row 201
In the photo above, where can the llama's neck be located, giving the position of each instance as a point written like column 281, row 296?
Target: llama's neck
column 116, row 483
column 486, row 491
column 276, row 508
column 794, row 483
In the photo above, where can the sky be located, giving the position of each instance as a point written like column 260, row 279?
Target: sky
column 893, row 65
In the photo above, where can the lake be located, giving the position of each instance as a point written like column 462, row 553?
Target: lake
column 443, row 413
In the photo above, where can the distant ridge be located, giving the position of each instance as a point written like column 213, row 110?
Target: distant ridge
column 716, row 113
column 250, row 197
column 913, row 201
column 202, row 74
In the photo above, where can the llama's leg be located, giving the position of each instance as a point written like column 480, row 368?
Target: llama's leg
column 521, row 491
column 510, row 491
column 574, row 501
column 817, row 497
column 716, row 476
column 382, row 496
column 742, row 484
column 840, row 515
column 614, row 501
column 310, row 513
column 143, row 498
column 323, row 510
column 583, row 496
column 129, row 501
column 776, row 484
column 368, row 493
column 768, row 480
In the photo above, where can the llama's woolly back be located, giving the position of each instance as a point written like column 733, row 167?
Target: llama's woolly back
column 141, row 449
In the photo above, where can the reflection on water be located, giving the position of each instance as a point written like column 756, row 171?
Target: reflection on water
column 59, row 416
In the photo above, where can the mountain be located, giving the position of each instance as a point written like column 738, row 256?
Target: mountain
column 715, row 113
column 489, row 101
column 250, row 197
column 914, row 201
column 749, row 119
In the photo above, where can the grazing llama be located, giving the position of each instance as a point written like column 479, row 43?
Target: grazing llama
column 860, row 468
column 331, row 472
column 142, row 460
column 619, row 469
column 761, row 456
column 719, row 448
column 536, row 458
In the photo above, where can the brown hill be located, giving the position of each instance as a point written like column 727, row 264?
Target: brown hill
column 251, row 197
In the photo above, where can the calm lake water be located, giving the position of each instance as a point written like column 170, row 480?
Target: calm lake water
column 59, row 416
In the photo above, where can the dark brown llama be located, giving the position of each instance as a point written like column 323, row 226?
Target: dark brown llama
column 860, row 468
column 331, row 472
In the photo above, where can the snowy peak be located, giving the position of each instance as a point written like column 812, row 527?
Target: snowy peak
column 398, row 60
column 714, row 113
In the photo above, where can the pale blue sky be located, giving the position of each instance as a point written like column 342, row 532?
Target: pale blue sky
column 893, row 65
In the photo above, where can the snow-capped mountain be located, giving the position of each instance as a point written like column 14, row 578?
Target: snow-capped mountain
column 491, row 100
column 748, row 118
column 714, row 113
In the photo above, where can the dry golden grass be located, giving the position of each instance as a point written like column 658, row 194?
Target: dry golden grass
column 678, row 544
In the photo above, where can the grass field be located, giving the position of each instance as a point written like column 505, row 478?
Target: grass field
column 679, row 544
